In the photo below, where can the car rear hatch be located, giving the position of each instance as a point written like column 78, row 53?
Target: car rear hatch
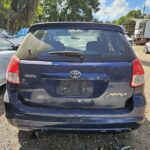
column 50, row 77
column 100, row 85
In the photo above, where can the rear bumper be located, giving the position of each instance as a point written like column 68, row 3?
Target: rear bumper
column 100, row 125
column 30, row 118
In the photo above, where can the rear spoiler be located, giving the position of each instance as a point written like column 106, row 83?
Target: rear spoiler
column 76, row 25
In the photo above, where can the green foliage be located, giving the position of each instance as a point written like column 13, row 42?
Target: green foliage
column 135, row 14
column 6, row 4
column 23, row 13
column 69, row 10
column 4, row 12
column 39, row 12
column 17, row 13
column 120, row 20
column 132, row 14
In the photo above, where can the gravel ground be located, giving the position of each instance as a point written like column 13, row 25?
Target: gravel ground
column 12, row 139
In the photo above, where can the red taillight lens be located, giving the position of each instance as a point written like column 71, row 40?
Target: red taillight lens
column 12, row 73
column 138, row 73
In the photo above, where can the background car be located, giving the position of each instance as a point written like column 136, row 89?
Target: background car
column 146, row 48
column 6, row 33
column 130, row 40
column 7, row 49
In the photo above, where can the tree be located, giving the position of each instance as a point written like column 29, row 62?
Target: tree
column 120, row 20
column 4, row 12
column 135, row 14
column 69, row 10
column 17, row 13
column 131, row 14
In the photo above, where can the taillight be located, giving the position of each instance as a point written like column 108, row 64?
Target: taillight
column 137, row 73
column 12, row 73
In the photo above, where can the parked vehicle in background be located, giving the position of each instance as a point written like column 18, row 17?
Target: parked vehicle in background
column 75, row 76
column 142, row 31
column 130, row 40
column 5, row 33
column 22, row 32
column 19, row 36
column 146, row 48
column 139, row 30
column 17, row 40
column 7, row 49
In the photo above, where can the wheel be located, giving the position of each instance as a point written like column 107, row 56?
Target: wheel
column 145, row 49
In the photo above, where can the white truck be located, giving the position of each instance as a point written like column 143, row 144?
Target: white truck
column 142, row 31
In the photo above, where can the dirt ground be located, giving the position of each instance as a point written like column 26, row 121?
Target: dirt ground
column 12, row 139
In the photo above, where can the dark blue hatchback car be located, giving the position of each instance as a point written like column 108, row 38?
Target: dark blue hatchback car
column 75, row 76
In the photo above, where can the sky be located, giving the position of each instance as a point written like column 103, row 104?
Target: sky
column 114, row 9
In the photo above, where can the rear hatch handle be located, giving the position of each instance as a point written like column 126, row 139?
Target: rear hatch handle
column 84, row 76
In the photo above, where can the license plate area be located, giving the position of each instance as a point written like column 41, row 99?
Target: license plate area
column 76, row 88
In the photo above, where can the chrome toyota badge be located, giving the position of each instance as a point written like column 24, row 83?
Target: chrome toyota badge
column 75, row 74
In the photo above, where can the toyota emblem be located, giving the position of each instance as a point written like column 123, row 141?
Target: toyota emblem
column 75, row 74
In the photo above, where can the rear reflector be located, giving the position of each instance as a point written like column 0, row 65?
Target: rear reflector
column 138, row 73
column 12, row 73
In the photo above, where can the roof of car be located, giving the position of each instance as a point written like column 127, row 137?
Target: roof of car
column 87, row 25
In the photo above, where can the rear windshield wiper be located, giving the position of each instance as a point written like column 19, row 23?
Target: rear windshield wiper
column 68, row 53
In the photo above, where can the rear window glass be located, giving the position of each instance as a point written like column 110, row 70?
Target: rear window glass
column 91, row 43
